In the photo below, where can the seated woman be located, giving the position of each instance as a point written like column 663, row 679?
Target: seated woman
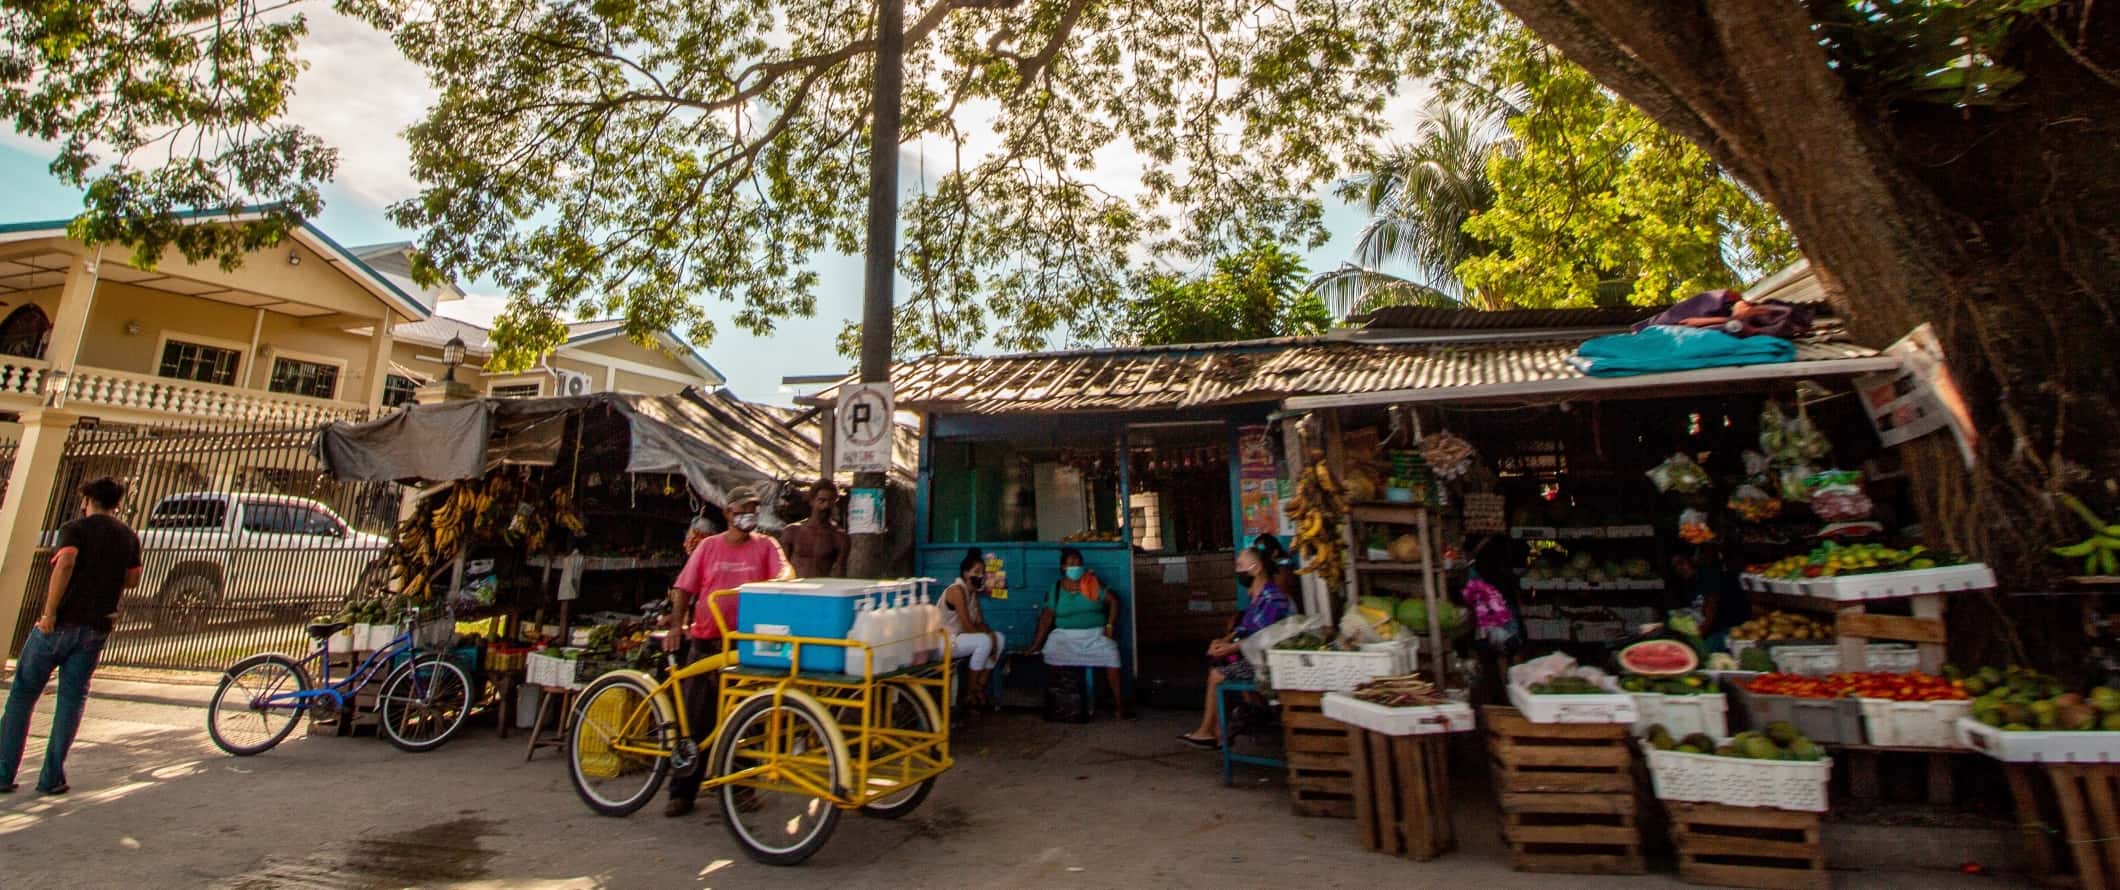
column 965, row 622
column 1258, row 568
column 1080, row 621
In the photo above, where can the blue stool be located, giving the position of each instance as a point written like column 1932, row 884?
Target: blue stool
column 1231, row 758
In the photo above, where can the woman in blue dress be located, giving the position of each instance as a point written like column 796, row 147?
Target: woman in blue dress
column 1258, row 569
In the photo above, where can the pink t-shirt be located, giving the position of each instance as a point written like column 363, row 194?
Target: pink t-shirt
column 718, row 564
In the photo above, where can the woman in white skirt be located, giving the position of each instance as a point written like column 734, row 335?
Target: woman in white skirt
column 1079, row 625
column 965, row 621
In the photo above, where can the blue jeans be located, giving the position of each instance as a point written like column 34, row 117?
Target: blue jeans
column 72, row 651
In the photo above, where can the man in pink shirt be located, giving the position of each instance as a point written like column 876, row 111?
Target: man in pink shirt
column 721, row 562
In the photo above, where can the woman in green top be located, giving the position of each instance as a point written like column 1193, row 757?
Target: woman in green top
column 1080, row 622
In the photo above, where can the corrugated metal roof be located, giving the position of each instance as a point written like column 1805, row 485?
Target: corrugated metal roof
column 1226, row 374
column 437, row 330
column 1796, row 284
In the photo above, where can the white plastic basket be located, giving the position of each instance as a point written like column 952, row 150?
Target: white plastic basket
column 1547, row 628
column 1388, row 720
column 2039, row 746
column 342, row 641
column 1613, row 707
column 1600, row 631
column 1683, row 715
column 1886, row 585
column 380, row 636
column 1817, row 661
column 1739, row 782
column 540, row 669
column 1303, row 670
column 1913, row 724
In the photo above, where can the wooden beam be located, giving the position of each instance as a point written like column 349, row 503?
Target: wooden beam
column 337, row 321
column 1890, row 627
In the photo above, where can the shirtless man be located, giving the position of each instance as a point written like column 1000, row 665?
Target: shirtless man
column 817, row 545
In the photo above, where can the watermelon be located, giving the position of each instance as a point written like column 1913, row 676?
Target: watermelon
column 1413, row 613
column 1658, row 658
column 1452, row 619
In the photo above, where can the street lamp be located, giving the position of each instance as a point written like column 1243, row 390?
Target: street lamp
column 453, row 355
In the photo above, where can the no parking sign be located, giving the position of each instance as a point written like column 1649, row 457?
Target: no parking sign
column 861, row 429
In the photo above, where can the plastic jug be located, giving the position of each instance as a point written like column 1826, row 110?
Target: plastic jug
column 932, row 636
column 864, row 630
column 890, row 637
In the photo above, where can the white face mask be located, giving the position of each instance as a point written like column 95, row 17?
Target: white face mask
column 745, row 521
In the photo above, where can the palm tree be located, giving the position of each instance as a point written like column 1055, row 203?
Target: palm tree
column 1418, row 197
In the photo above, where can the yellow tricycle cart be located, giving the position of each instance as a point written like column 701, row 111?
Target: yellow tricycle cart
column 793, row 748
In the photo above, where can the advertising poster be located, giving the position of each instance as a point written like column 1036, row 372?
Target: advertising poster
column 1258, row 487
column 1920, row 398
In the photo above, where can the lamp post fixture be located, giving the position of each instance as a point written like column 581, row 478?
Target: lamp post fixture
column 453, row 355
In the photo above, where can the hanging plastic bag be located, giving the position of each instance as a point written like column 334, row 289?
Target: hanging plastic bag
column 1693, row 527
column 1753, row 504
column 1837, row 496
column 1680, row 474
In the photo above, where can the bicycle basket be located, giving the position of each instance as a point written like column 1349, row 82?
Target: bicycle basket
column 593, row 751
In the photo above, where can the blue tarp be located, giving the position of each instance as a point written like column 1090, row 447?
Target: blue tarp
column 1663, row 348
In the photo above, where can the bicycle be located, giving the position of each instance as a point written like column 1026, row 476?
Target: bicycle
column 791, row 752
column 423, row 702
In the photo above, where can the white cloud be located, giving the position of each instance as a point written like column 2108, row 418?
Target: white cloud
column 359, row 95
column 478, row 309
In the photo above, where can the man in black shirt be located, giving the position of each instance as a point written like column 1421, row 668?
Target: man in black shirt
column 97, row 561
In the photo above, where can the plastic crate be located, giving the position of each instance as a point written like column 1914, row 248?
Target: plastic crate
column 1334, row 671
column 1740, row 782
column 1887, row 585
column 1913, row 724
column 1600, row 631
column 1827, row 721
column 1453, row 717
column 2038, row 746
column 1817, row 661
column 1547, row 628
column 1614, row 707
column 1683, row 714
column 547, row 670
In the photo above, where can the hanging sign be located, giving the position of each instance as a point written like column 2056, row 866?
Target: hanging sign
column 861, row 429
column 865, row 511
column 1919, row 398
column 1258, row 490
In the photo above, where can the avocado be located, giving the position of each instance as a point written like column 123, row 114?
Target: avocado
column 1759, row 749
column 1782, row 732
column 1698, row 741
column 1805, row 749
column 1689, row 749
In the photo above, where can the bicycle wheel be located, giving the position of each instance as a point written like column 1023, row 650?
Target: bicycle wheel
column 254, row 708
column 776, row 821
column 620, row 707
column 906, row 708
column 423, row 703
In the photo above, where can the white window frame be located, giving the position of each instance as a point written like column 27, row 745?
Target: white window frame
column 516, row 380
column 242, row 351
column 338, row 384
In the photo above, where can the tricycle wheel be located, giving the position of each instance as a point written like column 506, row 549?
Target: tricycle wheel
column 776, row 820
column 906, row 709
column 620, row 709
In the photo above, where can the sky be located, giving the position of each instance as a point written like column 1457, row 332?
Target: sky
column 359, row 95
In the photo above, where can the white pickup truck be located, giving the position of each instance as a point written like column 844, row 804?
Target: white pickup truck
column 216, row 550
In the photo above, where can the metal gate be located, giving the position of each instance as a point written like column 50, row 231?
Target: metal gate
column 244, row 538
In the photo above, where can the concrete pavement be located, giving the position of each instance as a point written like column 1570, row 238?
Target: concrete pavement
column 1030, row 804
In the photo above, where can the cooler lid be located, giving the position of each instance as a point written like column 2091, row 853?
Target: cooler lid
column 834, row 586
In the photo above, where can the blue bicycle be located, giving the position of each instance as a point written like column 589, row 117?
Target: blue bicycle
column 262, row 698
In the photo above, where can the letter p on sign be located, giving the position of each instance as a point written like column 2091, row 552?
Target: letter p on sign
column 861, row 429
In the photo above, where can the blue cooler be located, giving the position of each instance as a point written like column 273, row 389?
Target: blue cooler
column 820, row 608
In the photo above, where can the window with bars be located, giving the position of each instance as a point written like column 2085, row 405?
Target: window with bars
column 299, row 378
column 199, row 363
column 516, row 391
column 399, row 389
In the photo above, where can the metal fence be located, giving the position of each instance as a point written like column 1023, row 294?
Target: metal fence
column 244, row 538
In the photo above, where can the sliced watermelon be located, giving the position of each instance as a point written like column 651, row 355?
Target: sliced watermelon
column 1658, row 658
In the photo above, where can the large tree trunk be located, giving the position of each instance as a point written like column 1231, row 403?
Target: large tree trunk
column 2001, row 225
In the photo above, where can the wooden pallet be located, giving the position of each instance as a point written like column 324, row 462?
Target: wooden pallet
column 1402, row 802
column 2069, row 822
column 1725, row 846
column 1581, row 758
column 1855, row 629
column 1320, row 756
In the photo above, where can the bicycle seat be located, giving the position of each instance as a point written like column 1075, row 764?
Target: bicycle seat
column 324, row 629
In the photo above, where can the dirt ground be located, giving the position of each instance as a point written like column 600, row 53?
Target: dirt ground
column 1030, row 804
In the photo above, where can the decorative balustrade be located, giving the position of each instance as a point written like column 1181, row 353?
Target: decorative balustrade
column 184, row 399
column 22, row 376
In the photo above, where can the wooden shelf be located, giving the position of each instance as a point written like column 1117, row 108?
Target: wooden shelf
column 1391, row 567
column 1387, row 512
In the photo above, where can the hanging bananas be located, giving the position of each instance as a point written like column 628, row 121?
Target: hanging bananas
column 1318, row 509
column 2097, row 551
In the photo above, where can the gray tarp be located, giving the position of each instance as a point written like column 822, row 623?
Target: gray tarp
column 464, row 440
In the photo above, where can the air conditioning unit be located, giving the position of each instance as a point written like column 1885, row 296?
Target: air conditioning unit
column 572, row 383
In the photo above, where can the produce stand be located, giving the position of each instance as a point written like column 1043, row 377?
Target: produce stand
column 1567, row 792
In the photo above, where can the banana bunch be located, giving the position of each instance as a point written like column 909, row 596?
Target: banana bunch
column 563, row 511
column 2097, row 551
column 1318, row 509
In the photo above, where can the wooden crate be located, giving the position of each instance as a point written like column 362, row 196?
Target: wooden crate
column 1568, row 794
column 1748, row 847
column 2069, row 822
column 1581, row 758
column 1402, row 802
column 1320, row 754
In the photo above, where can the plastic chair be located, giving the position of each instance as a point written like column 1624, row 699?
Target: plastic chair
column 1231, row 758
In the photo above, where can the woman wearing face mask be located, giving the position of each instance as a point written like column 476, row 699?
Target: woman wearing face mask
column 965, row 621
column 1081, row 620
column 1256, row 571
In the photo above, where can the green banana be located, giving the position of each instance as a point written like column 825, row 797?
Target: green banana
column 2085, row 547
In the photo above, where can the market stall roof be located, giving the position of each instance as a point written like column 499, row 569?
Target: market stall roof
column 713, row 439
column 1306, row 372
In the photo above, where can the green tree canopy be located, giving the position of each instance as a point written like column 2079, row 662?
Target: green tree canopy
column 1253, row 294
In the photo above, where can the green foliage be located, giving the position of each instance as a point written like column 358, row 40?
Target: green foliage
column 1419, row 197
column 1252, row 294
column 1940, row 51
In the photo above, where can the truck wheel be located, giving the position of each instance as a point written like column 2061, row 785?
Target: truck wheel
column 185, row 601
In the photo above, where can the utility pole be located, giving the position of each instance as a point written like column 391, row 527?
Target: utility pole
column 879, row 277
